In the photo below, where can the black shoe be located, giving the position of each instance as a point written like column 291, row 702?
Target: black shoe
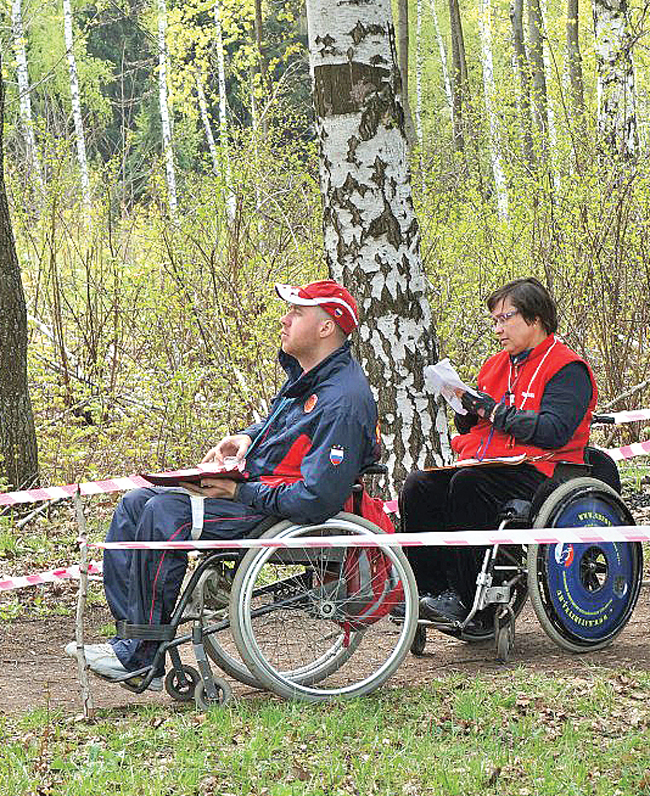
column 446, row 607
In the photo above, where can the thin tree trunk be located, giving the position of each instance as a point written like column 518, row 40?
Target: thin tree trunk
column 18, row 449
column 552, row 129
column 539, row 96
column 371, row 235
column 165, row 119
column 261, row 62
column 76, row 105
column 458, row 73
column 231, row 202
column 205, row 118
column 403, row 53
column 485, row 32
column 443, row 57
column 22, row 75
column 574, row 62
column 617, row 122
column 523, row 73
column 418, row 77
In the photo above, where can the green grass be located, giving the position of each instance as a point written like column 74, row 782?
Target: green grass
column 512, row 733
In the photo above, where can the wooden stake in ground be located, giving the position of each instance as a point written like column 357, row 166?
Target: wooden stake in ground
column 86, row 696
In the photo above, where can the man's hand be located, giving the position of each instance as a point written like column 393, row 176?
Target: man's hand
column 481, row 404
column 235, row 445
column 213, row 488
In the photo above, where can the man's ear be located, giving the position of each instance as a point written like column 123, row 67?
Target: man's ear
column 328, row 327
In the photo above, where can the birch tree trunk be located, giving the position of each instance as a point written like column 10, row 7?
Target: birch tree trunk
column 168, row 151
column 522, row 71
column 574, row 64
column 261, row 64
column 403, row 60
column 22, row 75
column 231, row 202
column 443, row 57
column 485, row 33
column 552, row 129
column 205, row 118
column 617, row 123
column 371, row 235
column 539, row 96
column 418, row 77
column 18, row 450
column 458, row 73
column 76, row 105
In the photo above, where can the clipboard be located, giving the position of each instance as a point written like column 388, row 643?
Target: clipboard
column 194, row 475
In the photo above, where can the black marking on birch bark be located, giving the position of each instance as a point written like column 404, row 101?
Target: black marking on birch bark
column 327, row 41
column 412, row 232
column 385, row 224
column 360, row 31
column 351, row 156
column 345, row 88
column 378, row 171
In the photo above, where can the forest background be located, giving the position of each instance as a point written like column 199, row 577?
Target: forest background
column 162, row 170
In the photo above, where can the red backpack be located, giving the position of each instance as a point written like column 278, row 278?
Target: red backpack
column 370, row 582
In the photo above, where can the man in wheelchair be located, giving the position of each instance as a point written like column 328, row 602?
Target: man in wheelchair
column 302, row 462
column 536, row 397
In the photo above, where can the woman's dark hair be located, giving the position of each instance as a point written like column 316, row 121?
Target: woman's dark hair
column 532, row 300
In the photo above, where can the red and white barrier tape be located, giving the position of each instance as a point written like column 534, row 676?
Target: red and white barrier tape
column 622, row 533
column 629, row 451
column 86, row 488
column 626, row 417
column 54, row 575
column 619, row 533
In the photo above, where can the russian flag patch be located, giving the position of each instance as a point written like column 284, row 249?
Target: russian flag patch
column 336, row 455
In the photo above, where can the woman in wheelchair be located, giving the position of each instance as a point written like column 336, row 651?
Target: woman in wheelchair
column 535, row 397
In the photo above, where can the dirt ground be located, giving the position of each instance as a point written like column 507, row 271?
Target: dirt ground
column 36, row 673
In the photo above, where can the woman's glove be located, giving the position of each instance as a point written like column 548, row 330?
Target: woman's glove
column 475, row 402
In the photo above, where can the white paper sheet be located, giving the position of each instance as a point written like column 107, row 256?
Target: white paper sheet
column 442, row 379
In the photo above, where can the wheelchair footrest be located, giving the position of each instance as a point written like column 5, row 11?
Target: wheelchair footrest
column 145, row 632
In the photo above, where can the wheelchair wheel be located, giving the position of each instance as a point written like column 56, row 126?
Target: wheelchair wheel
column 584, row 592
column 314, row 623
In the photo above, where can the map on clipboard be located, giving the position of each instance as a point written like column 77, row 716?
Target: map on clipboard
column 194, row 475
column 511, row 460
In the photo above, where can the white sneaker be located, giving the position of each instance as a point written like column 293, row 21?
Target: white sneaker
column 103, row 662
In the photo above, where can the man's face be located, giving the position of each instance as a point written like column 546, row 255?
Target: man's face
column 300, row 330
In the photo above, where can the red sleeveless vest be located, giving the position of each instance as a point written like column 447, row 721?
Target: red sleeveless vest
column 523, row 387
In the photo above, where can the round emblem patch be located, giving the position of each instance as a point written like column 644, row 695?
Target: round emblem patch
column 310, row 403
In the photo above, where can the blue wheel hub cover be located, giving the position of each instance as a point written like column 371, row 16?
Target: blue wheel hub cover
column 590, row 583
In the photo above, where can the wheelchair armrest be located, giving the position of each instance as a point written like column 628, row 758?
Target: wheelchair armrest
column 374, row 469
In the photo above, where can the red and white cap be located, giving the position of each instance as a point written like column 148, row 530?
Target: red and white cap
column 328, row 295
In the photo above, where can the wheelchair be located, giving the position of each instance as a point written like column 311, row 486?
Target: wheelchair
column 583, row 593
column 305, row 623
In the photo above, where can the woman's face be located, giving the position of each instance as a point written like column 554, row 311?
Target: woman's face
column 512, row 331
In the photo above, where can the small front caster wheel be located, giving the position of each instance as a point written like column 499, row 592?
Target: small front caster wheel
column 419, row 641
column 182, row 692
column 203, row 701
column 504, row 643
